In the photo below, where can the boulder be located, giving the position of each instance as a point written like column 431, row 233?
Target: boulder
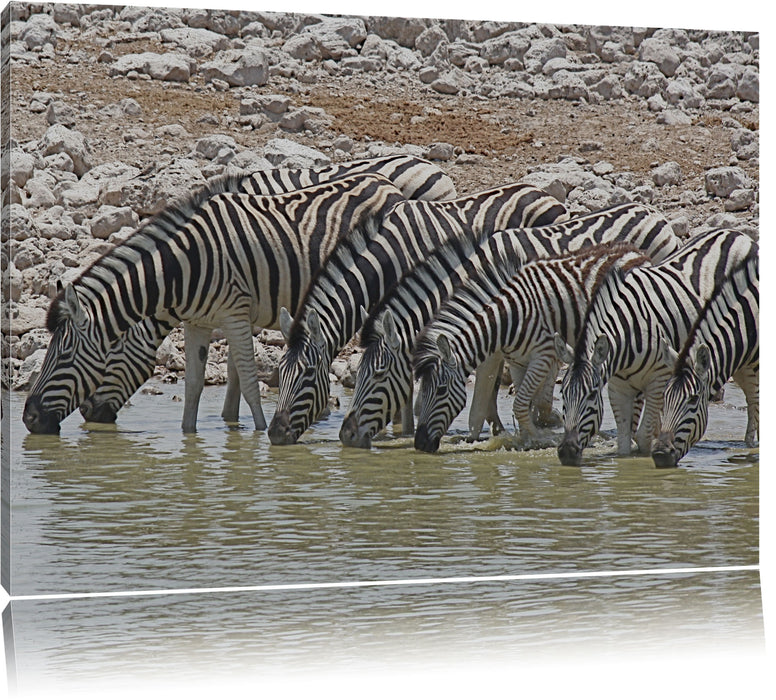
column 238, row 67
column 289, row 154
column 721, row 182
column 173, row 66
column 59, row 139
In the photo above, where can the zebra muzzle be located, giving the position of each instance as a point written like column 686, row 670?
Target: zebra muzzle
column 569, row 450
column 664, row 452
column 424, row 441
column 98, row 412
column 350, row 435
column 37, row 420
column 280, row 431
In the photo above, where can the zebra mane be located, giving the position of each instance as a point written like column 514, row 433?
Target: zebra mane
column 721, row 290
column 450, row 255
column 426, row 355
column 352, row 245
column 613, row 274
column 157, row 226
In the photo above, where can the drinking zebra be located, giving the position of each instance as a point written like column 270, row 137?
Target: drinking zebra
column 619, row 344
column 133, row 357
column 360, row 270
column 384, row 382
column 723, row 343
column 511, row 315
column 220, row 259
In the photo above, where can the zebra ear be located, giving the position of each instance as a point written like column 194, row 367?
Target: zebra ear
column 285, row 322
column 73, row 305
column 563, row 350
column 314, row 326
column 389, row 329
column 445, row 350
column 601, row 350
column 670, row 356
column 702, row 360
column 364, row 314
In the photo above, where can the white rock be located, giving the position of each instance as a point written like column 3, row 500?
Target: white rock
column 721, row 182
column 430, row 39
column 403, row 30
column 22, row 166
column 214, row 146
column 195, row 41
column 498, row 49
column 660, row 53
column 39, row 30
column 542, row 51
column 238, row 68
column 168, row 66
column 290, row 154
column 59, row 139
column 59, row 112
column 667, row 174
column 110, row 219
column 29, row 370
column 39, row 193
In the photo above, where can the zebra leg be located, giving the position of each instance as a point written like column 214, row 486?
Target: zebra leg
column 534, row 379
column 748, row 378
column 650, row 414
column 621, row 399
column 197, row 344
column 544, row 414
column 231, row 411
column 407, row 417
column 483, row 406
column 237, row 329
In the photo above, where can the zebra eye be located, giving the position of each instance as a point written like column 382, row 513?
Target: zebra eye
column 441, row 389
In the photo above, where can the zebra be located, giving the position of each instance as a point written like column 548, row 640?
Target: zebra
column 723, row 343
column 384, row 382
column 132, row 359
column 511, row 315
column 219, row 259
column 360, row 270
column 618, row 340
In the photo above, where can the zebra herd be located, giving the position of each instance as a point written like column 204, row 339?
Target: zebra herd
column 437, row 287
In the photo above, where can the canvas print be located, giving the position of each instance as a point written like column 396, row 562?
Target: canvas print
column 337, row 342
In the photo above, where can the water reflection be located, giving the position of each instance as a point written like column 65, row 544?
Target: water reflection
column 116, row 642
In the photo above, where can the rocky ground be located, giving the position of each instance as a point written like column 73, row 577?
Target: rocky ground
column 117, row 111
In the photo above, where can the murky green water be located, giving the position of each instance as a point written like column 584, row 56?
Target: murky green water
column 140, row 507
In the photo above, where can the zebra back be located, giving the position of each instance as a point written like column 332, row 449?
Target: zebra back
column 499, row 308
column 417, row 178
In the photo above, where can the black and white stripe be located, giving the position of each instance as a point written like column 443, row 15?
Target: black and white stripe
column 131, row 361
column 384, row 382
column 364, row 266
column 619, row 340
column 221, row 259
column 723, row 343
column 516, row 317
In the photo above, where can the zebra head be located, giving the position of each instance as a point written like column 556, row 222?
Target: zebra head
column 582, row 397
column 441, row 392
column 303, row 376
column 73, row 366
column 685, row 406
column 383, row 383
